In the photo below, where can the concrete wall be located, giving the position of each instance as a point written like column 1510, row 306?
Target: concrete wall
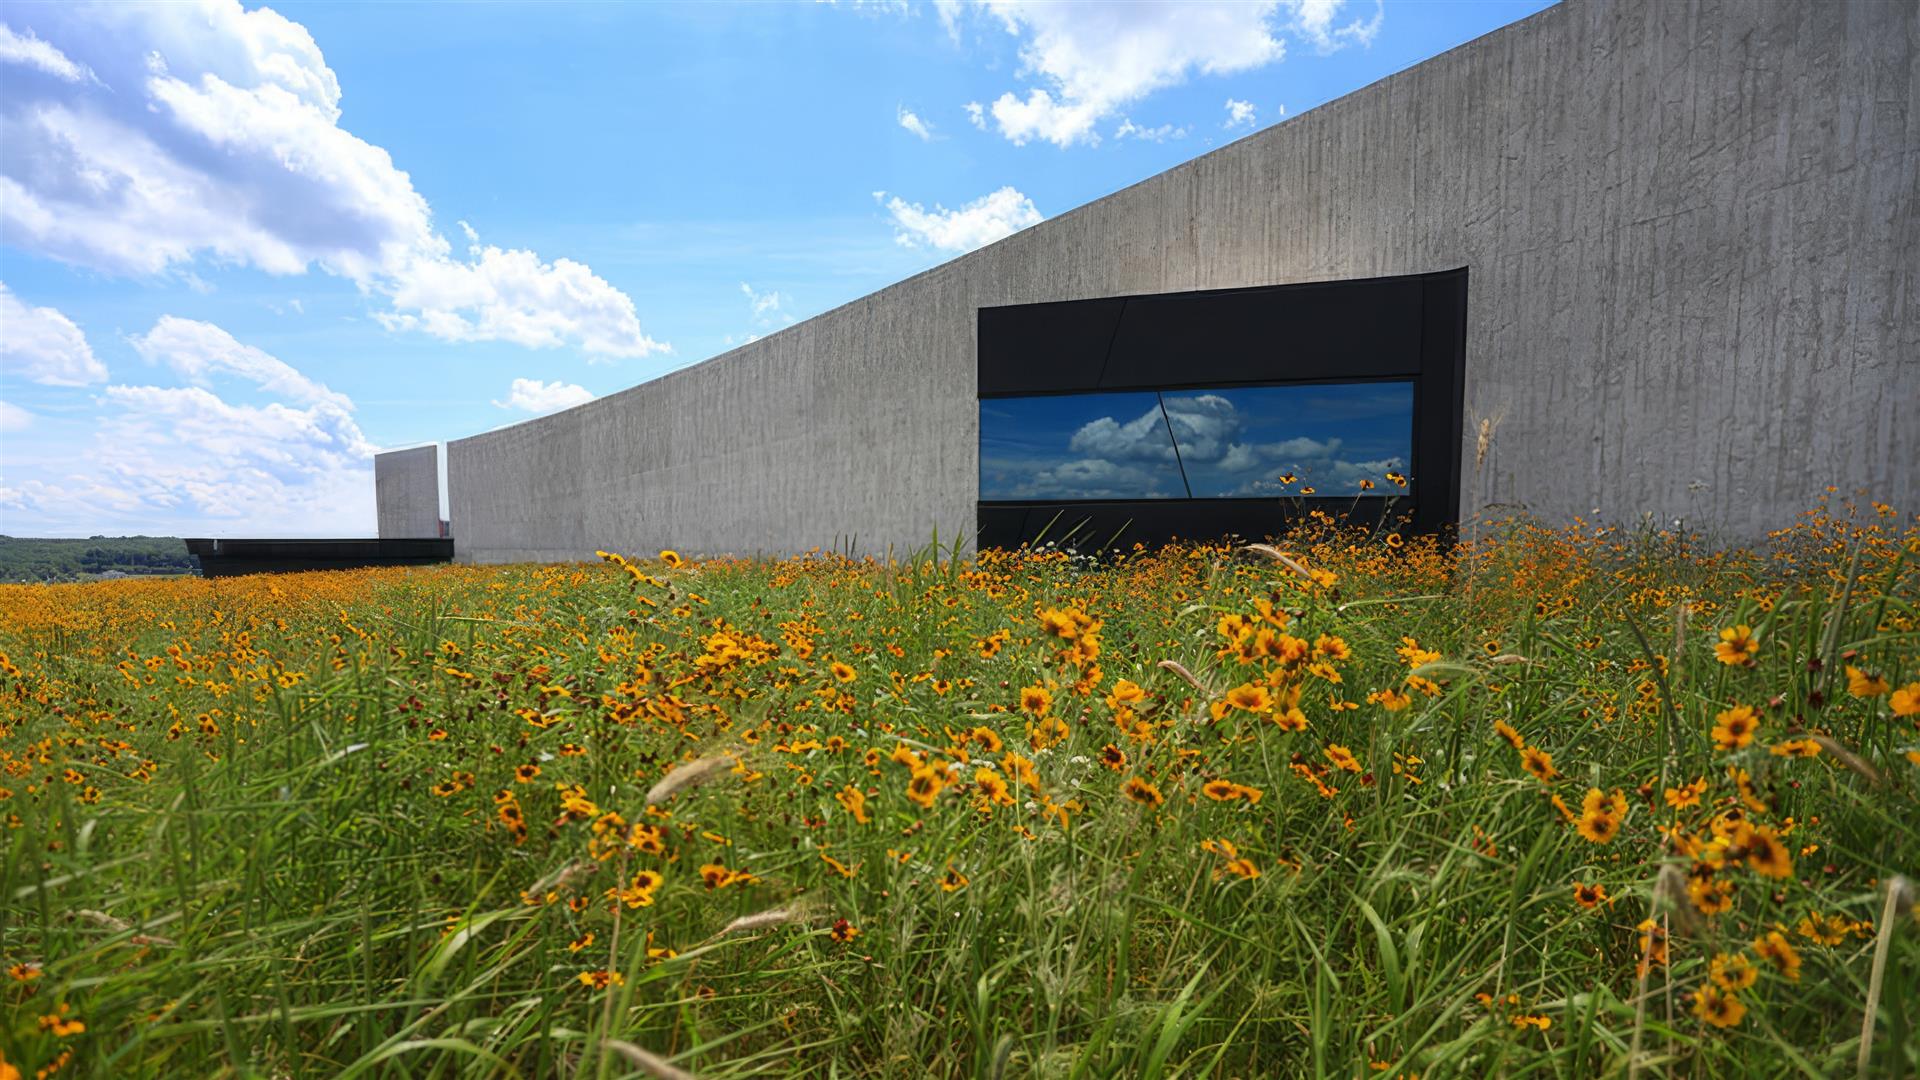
column 1693, row 243
column 407, row 491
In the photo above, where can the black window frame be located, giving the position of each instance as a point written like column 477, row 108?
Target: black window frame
column 1402, row 328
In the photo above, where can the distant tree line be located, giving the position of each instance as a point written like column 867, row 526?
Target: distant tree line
column 24, row 559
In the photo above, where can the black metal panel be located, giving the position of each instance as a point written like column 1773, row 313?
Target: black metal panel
column 1412, row 326
column 1439, row 402
column 226, row 558
column 1034, row 348
column 1338, row 331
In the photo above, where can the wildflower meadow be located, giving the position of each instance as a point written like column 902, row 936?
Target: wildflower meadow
column 1542, row 802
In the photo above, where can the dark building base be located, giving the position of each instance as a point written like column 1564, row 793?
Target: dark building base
column 226, row 558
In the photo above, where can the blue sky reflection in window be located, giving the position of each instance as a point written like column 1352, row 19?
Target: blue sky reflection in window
column 1233, row 443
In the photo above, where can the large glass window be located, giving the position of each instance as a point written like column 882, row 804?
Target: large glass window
column 1329, row 439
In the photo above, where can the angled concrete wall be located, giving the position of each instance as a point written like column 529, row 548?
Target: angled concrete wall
column 407, row 493
column 1693, row 246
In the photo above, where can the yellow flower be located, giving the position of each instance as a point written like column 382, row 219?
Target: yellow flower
column 1390, row 700
column 1035, row 700
column 843, row 672
column 1048, row 731
column 1290, row 718
column 1601, row 816
column 1589, row 896
column 1711, row 896
column 1860, row 684
column 1539, row 763
column 1732, row 971
column 1687, row 795
column 1506, row 731
column 1775, row 949
column 1737, row 645
column 1906, row 700
column 1717, row 1007
column 1764, row 852
column 1798, row 748
column 672, row 558
column 1734, row 728
column 1824, row 929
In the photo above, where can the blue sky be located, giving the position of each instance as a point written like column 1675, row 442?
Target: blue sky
column 244, row 247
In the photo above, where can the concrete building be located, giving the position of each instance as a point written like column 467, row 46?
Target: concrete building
column 1690, row 251
column 406, row 487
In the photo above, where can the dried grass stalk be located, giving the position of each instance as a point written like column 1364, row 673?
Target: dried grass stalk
column 101, row 918
column 690, row 775
column 1670, row 894
column 1850, row 759
column 1186, row 676
column 759, row 920
column 648, row 1062
column 1280, row 557
column 564, row 876
column 1899, row 898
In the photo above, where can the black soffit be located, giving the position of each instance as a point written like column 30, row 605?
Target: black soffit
column 1280, row 333
column 225, row 557
column 1409, row 327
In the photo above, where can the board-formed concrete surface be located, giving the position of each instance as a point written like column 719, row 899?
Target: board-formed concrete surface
column 1691, row 233
column 406, row 487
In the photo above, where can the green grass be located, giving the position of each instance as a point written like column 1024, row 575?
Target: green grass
column 247, row 870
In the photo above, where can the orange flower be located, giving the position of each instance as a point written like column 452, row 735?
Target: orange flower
column 1251, row 697
column 1862, row 684
column 854, row 801
column 1142, row 791
column 1342, row 758
column 1906, row 700
column 1717, row 1007
column 926, row 784
column 1589, row 896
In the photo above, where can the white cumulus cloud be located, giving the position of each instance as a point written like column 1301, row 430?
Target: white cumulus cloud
column 1092, row 60
column 1240, row 114
column 914, row 124
column 41, row 345
column 1315, row 20
column 213, row 132
column 168, row 459
column 990, row 217
column 199, row 350
column 1130, row 130
column 768, row 308
column 539, row 398
column 29, row 51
